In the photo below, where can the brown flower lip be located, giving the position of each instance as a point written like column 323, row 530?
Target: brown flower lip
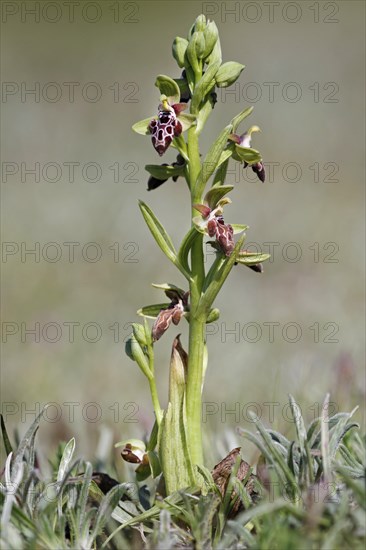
column 216, row 227
column 172, row 314
column 167, row 126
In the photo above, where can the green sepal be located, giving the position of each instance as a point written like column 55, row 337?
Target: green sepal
column 213, row 196
column 239, row 228
column 228, row 73
column 168, row 286
column 183, row 86
column 246, row 154
column 200, row 225
column 168, row 87
column 142, row 472
column 142, row 127
column 158, row 232
column 164, row 172
column 179, row 49
column 152, row 311
column 212, row 159
column 240, row 117
column 187, row 120
column 251, row 258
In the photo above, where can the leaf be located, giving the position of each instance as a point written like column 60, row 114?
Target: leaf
column 225, row 155
column 142, row 127
column 325, row 440
column 153, row 310
column 339, row 431
column 66, row 459
column 240, row 117
column 218, row 279
column 220, row 176
column 181, row 146
column 173, row 447
column 108, row 503
column 6, row 440
column 203, row 114
column 19, row 453
column 213, row 196
column 186, row 246
column 168, row 87
column 204, row 86
column 299, row 421
column 154, row 462
column 212, row 159
column 81, row 506
column 158, row 232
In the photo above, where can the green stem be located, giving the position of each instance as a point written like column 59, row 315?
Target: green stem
column 194, row 389
column 155, row 400
column 197, row 324
column 153, row 389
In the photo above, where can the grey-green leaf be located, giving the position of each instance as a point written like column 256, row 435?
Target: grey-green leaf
column 212, row 158
column 158, row 232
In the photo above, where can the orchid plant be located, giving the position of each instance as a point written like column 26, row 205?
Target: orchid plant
column 175, row 445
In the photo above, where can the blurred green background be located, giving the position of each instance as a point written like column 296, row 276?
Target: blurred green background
column 93, row 73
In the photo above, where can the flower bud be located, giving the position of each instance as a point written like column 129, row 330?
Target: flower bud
column 200, row 23
column 211, row 35
column 135, row 352
column 200, row 44
column 195, row 51
column 228, row 73
column 139, row 334
column 179, row 49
